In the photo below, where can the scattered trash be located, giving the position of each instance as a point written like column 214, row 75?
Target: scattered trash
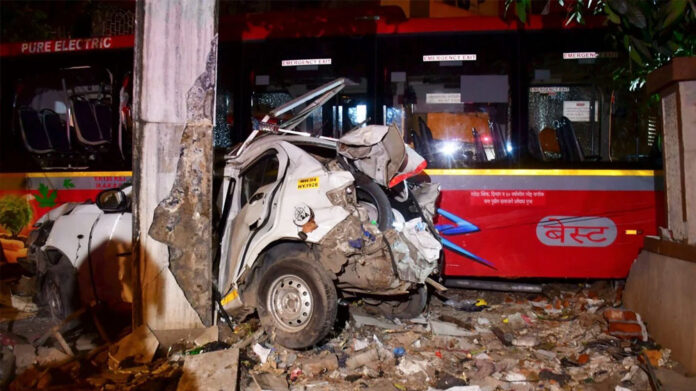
column 360, row 344
column 262, row 351
column 467, row 305
column 544, row 343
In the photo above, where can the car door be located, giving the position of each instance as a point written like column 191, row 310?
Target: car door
column 257, row 185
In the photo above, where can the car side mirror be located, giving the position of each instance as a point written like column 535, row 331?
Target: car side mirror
column 112, row 200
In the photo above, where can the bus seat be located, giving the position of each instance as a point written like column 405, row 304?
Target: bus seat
column 104, row 119
column 480, row 153
column 426, row 133
column 568, row 142
column 33, row 133
column 498, row 140
column 425, row 139
column 534, row 145
column 548, row 140
column 86, row 125
column 56, row 131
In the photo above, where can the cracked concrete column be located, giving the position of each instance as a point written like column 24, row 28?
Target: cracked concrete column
column 174, row 71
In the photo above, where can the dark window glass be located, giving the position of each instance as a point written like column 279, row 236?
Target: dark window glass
column 280, row 70
column 261, row 173
column 577, row 112
column 450, row 95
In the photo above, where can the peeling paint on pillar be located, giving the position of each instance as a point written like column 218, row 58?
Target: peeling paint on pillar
column 183, row 220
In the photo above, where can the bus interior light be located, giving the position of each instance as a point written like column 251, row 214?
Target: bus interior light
column 449, row 148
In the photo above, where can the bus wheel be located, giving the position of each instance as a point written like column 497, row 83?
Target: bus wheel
column 296, row 300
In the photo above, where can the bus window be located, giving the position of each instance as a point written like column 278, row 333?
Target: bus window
column 451, row 97
column 288, row 69
column 66, row 118
column 577, row 112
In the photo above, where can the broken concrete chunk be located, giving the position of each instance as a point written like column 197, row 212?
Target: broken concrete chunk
column 410, row 366
column 363, row 320
column 51, row 356
column 210, row 371
column 25, row 356
column 364, row 358
column 315, row 365
column 269, row 381
column 526, row 341
column 451, row 329
column 141, row 345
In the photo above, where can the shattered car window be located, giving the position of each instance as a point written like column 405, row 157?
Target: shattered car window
column 261, row 173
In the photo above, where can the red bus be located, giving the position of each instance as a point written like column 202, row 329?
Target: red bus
column 547, row 167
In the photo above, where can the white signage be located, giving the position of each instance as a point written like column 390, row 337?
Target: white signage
column 579, row 55
column 449, row 57
column 308, row 61
column 577, row 110
column 549, row 90
column 436, row 98
column 586, row 55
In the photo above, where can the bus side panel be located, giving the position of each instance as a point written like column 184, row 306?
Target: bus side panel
column 546, row 233
column 32, row 195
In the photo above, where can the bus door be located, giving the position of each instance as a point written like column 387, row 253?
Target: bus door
column 286, row 69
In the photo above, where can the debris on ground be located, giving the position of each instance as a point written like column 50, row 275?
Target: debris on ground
column 562, row 339
column 208, row 371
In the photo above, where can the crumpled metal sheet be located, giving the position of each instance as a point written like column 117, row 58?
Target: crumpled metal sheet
column 377, row 151
column 415, row 250
column 426, row 195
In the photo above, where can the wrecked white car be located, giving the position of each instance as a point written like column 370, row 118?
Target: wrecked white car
column 304, row 221
column 308, row 220
column 80, row 254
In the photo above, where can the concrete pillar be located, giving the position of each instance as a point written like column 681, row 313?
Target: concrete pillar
column 676, row 84
column 175, row 60
column 660, row 285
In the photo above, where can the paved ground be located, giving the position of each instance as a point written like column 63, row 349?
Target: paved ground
column 512, row 341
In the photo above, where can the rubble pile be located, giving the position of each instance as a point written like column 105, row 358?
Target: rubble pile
column 468, row 340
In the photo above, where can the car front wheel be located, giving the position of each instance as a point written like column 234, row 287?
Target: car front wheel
column 296, row 300
column 59, row 290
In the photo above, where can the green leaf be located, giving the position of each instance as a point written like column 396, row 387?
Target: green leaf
column 612, row 16
column 636, row 17
column 641, row 47
column 675, row 9
column 633, row 53
column 521, row 10
column 68, row 184
column 46, row 198
column 620, row 6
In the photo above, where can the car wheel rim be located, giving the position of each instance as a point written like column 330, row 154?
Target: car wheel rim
column 55, row 304
column 291, row 303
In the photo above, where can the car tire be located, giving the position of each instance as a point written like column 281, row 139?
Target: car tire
column 296, row 300
column 370, row 192
column 59, row 290
column 409, row 308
